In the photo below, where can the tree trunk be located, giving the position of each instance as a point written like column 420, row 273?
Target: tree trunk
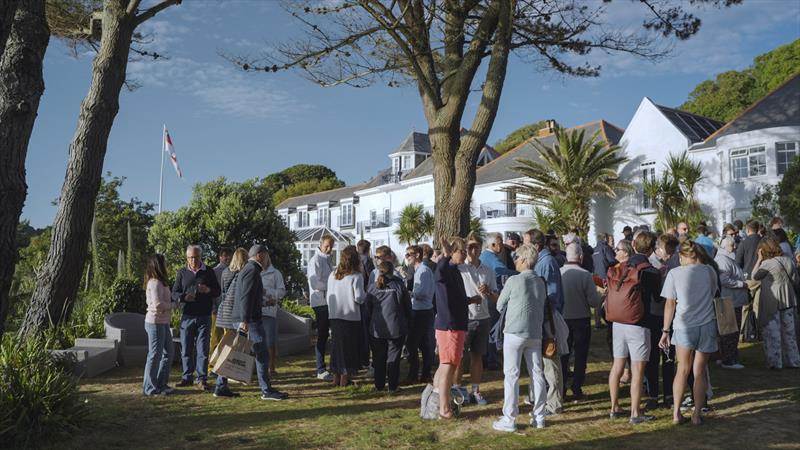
column 24, row 35
column 58, row 283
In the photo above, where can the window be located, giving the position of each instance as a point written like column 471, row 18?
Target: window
column 395, row 165
column 406, row 162
column 373, row 218
column 302, row 219
column 346, row 215
column 648, row 173
column 785, row 153
column 748, row 162
column 387, row 217
column 511, row 204
column 322, row 217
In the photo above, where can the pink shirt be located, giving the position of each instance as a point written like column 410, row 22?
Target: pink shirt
column 159, row 302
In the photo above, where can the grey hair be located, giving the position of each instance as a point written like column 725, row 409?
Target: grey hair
column 727, row 242
column 193, row 247
column 491, row 238
column 528, row 254
column 625, row 246
column 574, row 252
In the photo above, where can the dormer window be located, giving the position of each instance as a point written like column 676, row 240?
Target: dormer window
column 407, row 162
column 396, row 164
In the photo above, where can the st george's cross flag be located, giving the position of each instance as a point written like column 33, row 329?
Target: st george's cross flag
column 173, row 158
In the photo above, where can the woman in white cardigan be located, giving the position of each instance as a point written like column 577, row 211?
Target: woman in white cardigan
column 345, row 295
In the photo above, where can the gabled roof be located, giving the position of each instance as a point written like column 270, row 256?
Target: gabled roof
column 779, row 108
column 696, row 128
column 316, row 233
column 331, row 195
column 502, row 168
column 414, row 142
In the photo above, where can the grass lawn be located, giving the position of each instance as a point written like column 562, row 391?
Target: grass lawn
column 755, row 408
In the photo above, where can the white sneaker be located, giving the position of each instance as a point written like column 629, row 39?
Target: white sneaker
column 537, row 423
column 477, row 398
column 325, row 376
column 505, row 425
column 735, row 366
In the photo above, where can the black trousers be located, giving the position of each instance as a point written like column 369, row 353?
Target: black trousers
column 421, row 338
column 659, row 358
column 580, row 337
column 386, row 361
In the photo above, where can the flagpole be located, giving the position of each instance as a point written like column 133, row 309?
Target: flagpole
column 161, row 182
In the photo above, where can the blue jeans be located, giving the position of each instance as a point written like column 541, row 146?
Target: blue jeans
column 195, row 332
column 159, row 357
column 323, row 331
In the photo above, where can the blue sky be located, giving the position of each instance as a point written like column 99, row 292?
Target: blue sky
column 224, row 122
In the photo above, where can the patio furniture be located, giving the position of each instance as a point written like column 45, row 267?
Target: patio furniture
column 128, row 329
column 90, row 357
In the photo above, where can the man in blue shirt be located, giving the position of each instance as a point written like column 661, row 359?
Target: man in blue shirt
column 491, row 258
column 547, row 268
column 420, row 333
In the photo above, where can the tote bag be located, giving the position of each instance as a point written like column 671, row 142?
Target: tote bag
column 235, row 361
column 726, row 317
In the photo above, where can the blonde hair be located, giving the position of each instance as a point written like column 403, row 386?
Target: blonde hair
column 239, row 260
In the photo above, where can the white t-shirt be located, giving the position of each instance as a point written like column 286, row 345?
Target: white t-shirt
column 473, row 278
column 693, row 287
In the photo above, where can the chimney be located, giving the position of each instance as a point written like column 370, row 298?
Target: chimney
column 549, row 128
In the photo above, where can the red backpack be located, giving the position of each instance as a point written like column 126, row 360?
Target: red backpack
column 624, row 295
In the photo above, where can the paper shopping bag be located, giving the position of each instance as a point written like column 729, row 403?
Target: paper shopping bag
column 227, row 339
column 235, row 361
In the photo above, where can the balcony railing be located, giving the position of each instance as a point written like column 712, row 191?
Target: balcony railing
column 495, row 210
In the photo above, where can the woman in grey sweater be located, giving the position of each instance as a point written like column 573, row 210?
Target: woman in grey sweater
column 731, row 278
column 524, row 296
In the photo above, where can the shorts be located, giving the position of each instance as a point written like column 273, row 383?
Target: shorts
column 477, row 338
column 451, row 346
column 702, row 338
column 271, row 330
column 631, row 340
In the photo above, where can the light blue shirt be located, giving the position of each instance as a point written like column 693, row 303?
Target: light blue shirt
column 424, row 287
column 547, row 268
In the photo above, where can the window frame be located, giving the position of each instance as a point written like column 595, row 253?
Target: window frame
column 741, row 160
column 788, row 161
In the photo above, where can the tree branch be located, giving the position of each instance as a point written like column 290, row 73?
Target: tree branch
column 149, row 13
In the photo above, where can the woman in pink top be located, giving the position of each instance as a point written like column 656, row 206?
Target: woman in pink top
column 156, row 324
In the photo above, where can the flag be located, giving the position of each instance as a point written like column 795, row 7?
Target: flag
column 173, row 158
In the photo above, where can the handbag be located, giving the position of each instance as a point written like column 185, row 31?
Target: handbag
column 227, row 339
column 235, row 361
column 726, row 316
column 549, row 349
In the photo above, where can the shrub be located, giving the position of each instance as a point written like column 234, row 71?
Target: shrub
column 124, row 295
column 297, row 309
column 39, row 396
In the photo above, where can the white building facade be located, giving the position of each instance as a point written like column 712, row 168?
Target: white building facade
column 738, row 157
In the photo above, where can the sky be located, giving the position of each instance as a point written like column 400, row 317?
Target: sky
column 225, row 122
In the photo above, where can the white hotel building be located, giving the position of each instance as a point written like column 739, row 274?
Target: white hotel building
column 751, row 150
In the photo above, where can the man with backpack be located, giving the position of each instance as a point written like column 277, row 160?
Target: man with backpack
column 632, row 286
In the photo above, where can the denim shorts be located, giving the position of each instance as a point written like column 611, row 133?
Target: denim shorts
column 271, row 330
column 702, row 338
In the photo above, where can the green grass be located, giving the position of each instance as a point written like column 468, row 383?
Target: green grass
column 755, row 408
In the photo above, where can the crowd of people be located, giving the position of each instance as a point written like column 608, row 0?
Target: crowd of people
column 490, row 303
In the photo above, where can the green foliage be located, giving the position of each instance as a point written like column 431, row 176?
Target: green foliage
column 301, row 179
column 789, row 195
column 573, row 169
column 555, row 216
column 415, row 224
column 39, row 396
column 732, row 92
column 294, row 307
column 765, row 203
column 113, row 218
column 519, row 136
column 228, row 214
column 476, row 227
column 674, row 193
column 306, row 187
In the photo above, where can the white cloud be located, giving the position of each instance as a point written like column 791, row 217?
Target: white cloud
column 219, row 86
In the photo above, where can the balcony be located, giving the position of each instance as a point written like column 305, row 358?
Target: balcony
column 494, row 210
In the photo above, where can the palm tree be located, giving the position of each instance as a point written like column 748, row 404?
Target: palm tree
column 555, row 216
column 673, row 194
column 415, row 224
column 573, row 169
column 476, row 227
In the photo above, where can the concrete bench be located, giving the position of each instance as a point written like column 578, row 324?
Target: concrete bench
column 128, row 329
column 90, row 357
column 294, row 333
